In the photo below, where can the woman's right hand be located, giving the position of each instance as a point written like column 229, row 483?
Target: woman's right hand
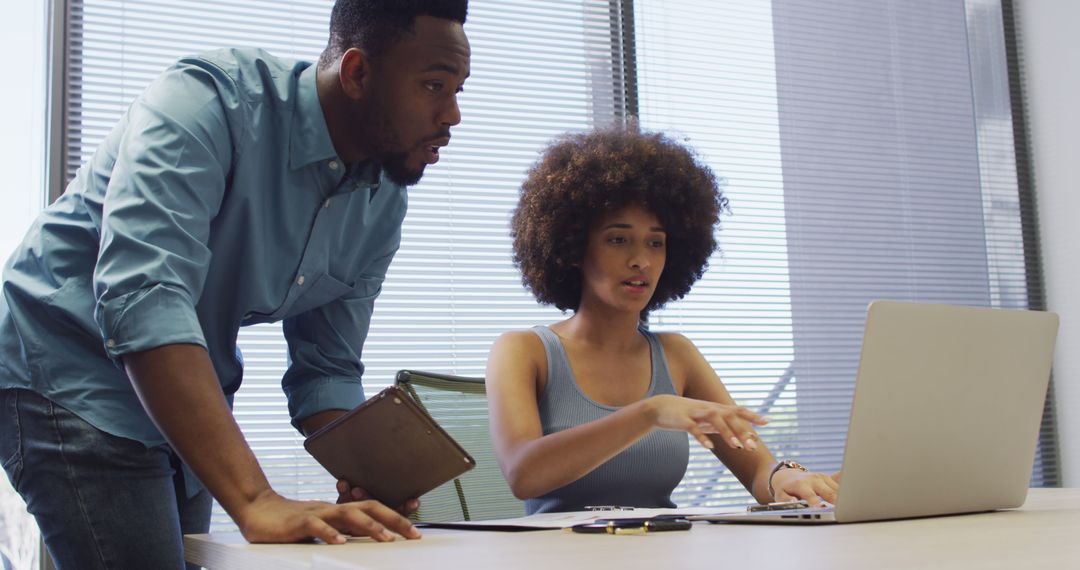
column 734, row 424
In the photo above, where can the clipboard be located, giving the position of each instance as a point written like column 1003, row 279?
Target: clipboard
column 390, row 447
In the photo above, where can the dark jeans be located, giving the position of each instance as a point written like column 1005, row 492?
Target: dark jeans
column 100, row 500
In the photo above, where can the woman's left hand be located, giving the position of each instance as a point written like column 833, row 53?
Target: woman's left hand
column 793, row 484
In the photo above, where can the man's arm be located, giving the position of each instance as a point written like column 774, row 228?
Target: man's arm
column 325, row 347
column 166, row 187
column 179, row 389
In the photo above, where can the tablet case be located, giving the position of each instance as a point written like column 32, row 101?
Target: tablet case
column 390, row 447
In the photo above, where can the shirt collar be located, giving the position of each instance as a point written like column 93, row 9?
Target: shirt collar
column 309, row 139
column 367, row 173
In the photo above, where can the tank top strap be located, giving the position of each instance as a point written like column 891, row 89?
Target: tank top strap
column 558, row 362
column 661, row 374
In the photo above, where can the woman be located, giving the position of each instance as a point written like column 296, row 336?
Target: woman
column 590, row 410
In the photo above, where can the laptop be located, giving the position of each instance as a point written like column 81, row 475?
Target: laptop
column 945, row 418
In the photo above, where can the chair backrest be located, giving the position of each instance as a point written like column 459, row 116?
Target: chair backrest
column 459, row 405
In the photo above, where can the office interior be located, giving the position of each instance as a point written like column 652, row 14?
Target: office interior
column 1047, row 144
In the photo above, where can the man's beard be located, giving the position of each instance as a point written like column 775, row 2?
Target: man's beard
column 387, row 149
column 396, row 169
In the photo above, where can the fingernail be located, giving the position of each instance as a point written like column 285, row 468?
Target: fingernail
column 339, row 539
column 751, row 444
column 735, row 442
column 387, row 536
column 413, row 532
column 707, row 443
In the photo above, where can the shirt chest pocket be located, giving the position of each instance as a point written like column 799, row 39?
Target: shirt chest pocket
column 314, row 292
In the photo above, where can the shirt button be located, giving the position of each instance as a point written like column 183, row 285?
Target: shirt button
column 333, row 165
column 300, row 280
column 110, row 343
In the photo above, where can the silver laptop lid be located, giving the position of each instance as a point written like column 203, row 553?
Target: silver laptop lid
column 947, row 408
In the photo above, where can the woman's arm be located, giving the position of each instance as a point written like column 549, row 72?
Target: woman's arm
column 535, row 464
column 753, row 465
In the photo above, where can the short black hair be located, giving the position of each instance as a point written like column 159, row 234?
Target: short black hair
column 375, row 25
column 581, row 177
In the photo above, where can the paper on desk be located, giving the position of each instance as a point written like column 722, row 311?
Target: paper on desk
column 552, row 521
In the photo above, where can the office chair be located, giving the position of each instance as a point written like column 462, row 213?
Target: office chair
column 459, row 405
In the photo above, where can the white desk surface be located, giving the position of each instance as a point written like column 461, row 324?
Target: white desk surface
column 1044, row 533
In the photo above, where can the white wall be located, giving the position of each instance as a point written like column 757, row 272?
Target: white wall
column 22, row 113
column 22, row 152
column 1050, row 51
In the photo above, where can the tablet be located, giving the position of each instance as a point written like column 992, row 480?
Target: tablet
column 390, row 447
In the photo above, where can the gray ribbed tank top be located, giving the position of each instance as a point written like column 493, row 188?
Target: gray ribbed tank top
column 643, row 475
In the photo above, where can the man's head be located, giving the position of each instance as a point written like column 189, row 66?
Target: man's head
column 391, row 71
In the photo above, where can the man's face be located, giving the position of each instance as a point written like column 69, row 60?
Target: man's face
column 412, row 98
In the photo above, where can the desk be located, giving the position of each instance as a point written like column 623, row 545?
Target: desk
column 1044, row 533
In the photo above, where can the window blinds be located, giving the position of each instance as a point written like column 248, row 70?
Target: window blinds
column 865, row 145
column 538, row 69
column 867, row 152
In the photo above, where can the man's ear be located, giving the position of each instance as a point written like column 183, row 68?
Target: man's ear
column 354, row 72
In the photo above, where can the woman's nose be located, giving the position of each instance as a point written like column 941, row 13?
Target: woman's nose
column 639, row 262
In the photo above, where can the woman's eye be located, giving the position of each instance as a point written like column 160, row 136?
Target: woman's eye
column 434, row 86
column 617, row 240
column 658, row 243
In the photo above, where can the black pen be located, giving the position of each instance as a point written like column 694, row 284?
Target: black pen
column 661, row 524
column 634, row 525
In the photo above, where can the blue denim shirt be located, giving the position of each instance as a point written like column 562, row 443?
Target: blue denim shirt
column 217, row 201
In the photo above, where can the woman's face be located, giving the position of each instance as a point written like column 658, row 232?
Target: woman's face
column 624, row 258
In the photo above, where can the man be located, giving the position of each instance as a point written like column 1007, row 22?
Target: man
column 238, row 189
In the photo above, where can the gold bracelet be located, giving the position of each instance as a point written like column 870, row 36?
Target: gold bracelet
column 785, row 464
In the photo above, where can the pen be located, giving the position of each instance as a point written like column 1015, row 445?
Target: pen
column 662, row 524
column 629, row 530
column 634, row 526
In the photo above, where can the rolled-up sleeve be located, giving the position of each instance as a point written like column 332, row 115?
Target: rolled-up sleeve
column 325, row 347
column 166, row 186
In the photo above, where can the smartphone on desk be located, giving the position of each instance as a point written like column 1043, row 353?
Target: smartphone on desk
column 634, row 525
column 780, row 506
